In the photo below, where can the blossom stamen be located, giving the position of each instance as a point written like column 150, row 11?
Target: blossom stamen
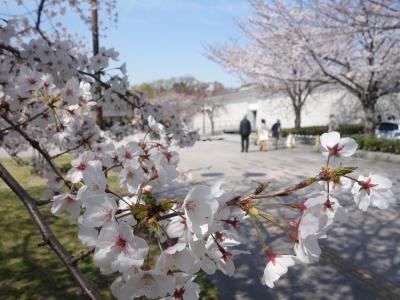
column 367, row 185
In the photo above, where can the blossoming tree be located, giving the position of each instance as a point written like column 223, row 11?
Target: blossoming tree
column 47, row 92
column 272, row 58
column 355, row 44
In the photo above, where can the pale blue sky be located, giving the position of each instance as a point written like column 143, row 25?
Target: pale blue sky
column 164, row 38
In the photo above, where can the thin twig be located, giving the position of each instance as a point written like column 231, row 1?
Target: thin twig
column 83, row 142
column 24, row 122
column 171, row 215
column 290, row 189
column 42, row 202
column 74, row 259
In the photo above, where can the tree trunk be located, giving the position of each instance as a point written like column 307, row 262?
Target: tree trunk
column 96, row 47
column 210, row 115
column 369, row 117
column 297, row 117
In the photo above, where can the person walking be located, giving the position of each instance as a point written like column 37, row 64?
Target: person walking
column 276, row 132
column 263, row 136
column 245, row 130
column 333, row 124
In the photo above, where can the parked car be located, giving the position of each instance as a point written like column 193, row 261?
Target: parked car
column 388, row 130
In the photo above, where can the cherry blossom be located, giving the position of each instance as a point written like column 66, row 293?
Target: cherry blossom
column 276, row 267
column 375, row 190
column 71, row 91
column 93, row 177
column 100, row 209
column 66, row 202
column 165, row 163
column 307, row 249
column 117, row 249
column 54, row 180
column 185, row 288
column 330, row 210
column 80, row 165
column 177, row 256
column 88, row 235
column 152, row 284
column 199, row 207
column 336, row 147
column 176, row 227
column 130, row 151
column 131, row 176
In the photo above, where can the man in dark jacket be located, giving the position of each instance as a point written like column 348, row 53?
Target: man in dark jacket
column 276, row 132
column 245, row 130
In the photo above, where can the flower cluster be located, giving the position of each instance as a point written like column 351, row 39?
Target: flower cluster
column 190, row 232
column 322, row 210
column 197, row 232
column 54, row 89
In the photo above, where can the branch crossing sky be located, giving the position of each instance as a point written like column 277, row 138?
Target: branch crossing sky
column 159, row 39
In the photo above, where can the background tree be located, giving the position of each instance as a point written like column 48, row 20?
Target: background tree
column 272, row 58
column 212, row 110
column 355, row 43
column 185, row 95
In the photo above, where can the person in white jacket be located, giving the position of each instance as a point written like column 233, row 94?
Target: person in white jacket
column 263, row 136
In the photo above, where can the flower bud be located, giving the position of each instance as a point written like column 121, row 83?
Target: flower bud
column 147, row 189
column 344, row 170
column 254, row 212
column 261, row 188
column 166, row 205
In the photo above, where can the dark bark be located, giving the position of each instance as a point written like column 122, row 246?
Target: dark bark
column 96, row 47
column 210, row 114
column 212, row 126
column 369, row 117
column 297, row 116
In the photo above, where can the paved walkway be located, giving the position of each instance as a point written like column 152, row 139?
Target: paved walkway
column 361, row 257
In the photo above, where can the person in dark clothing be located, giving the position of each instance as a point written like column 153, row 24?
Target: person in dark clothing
column 245, row 130
column 276, row 132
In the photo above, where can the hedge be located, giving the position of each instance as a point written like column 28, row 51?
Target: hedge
column 368, row 143
column 345, row 130
column 371, row 143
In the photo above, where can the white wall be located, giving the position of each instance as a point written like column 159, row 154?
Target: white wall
column 316, row 111
column 230, row 115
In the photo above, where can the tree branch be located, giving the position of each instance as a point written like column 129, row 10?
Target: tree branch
column 48, row 235
column 10, row 49
column 35, row 144
column 38, row 20
column 24, row 122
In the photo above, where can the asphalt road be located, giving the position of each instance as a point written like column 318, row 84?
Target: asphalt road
column 361, row 258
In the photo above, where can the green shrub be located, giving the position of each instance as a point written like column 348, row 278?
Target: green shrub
column 351, row 129
column 371, row 143
column 345, row 130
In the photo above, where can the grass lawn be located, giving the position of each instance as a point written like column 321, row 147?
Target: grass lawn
column 29, row 271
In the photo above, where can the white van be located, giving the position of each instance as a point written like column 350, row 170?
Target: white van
column 388, row 130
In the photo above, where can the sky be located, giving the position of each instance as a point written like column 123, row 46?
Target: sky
column 159, row 39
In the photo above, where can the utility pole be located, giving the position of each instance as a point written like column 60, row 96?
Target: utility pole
column 96, row 50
